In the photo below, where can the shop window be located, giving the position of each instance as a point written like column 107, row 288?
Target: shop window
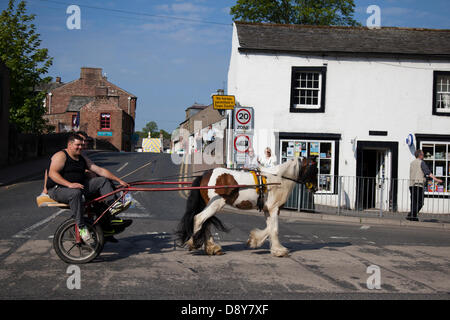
column 308, row 89
column 323, row 151
column 441, row 99
column 105, row 121
column 437, row 158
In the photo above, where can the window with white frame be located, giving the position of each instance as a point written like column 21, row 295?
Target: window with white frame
column 437, row 158
column 324, row 153
column 308, row 89
column 441, row 92
column 105, row 121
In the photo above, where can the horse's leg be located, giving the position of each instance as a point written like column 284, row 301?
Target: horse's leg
column 258, row 236
column 275, row 246
column 214, row 205
column 212, row 248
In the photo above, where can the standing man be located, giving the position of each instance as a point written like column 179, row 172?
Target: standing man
column 209, row 136
column 418, row 174
column 251, row 162
column 67, row 184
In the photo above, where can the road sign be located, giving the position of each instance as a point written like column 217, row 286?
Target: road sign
column 243, row 119
column 221, row 102
column 242, row 143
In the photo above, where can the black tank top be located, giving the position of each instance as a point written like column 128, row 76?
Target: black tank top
column 73, row 171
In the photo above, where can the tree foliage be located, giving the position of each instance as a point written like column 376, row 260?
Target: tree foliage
column 306, row 12
column 20, row 51
column 152, row 128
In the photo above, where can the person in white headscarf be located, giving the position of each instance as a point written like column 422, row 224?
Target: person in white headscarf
column 268, row 160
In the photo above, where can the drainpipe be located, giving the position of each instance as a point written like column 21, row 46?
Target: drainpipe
column 50, row 103
column 129, row 106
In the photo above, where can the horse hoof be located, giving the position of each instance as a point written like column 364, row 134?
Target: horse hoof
column 190, row 244
column 214, row 251
column 252, row 243
column 280, row 253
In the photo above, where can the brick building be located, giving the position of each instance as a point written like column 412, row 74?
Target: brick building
column 94, row 105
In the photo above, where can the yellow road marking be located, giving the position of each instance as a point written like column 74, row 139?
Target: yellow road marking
column 183, row 168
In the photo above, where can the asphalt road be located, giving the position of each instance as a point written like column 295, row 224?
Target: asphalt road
column 327, row 260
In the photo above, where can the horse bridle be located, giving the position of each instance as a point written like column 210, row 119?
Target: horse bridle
column 308, row 185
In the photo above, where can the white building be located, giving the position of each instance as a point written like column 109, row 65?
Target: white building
column 350, row 96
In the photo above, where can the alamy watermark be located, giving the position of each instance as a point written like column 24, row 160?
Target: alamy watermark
column 74, row 280
column 74, row 20
column 374, row 281
column 374, row 21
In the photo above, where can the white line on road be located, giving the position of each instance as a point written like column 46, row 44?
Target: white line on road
column 120, row 169
column 135, row 215
column 137, row 169
column 23, row 233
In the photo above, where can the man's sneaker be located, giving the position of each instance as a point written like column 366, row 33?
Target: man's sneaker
column 86, row 236
column 119, row 207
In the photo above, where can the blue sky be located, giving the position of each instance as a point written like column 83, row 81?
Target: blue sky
column 171, row 63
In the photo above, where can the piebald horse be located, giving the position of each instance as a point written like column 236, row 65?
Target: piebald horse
column 203, row 204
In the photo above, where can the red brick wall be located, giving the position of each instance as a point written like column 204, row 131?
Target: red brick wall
column 90, row 114
column 93, row 84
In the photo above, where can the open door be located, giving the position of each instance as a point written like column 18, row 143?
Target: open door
column 376, row 175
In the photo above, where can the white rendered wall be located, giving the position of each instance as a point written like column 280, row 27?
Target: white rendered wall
column 362, row 94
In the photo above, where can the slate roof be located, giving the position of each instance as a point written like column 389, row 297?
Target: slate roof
column 48, row 87
column 323, row 40
column 197, row 106
column 77, row 102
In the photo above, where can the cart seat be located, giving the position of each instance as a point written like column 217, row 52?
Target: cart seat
column 43, row 200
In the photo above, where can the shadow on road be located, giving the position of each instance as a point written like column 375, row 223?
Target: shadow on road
column 165, row 242
column 136, row 245
column 293, row 247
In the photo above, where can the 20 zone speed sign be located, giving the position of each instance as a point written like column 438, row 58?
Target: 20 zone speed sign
column 243, row 119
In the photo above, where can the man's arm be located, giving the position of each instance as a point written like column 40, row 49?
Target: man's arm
column 428, row 173
column 104, row 172
column 56, row 165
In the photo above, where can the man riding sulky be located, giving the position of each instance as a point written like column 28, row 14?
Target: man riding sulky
column 67, row 182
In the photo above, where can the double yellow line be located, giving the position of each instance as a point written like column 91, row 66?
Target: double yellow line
column 182, row 177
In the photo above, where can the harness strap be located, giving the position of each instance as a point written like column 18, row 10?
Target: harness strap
column 261, row 182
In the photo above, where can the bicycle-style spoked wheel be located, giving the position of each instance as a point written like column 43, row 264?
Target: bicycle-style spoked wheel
column 67, row 248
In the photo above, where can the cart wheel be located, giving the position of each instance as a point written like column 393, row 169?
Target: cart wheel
column 67, row 248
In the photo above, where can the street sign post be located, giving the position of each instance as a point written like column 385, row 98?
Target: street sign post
column 243, row 133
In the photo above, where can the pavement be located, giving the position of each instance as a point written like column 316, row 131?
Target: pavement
column 436, row 221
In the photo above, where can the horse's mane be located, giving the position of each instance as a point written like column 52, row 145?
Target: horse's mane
column 278, row 169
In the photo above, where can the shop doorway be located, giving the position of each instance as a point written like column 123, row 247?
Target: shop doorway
column 376, row 175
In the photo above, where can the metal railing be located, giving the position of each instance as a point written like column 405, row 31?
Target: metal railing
column 374, row 196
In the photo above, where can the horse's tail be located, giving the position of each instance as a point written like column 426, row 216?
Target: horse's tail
column 194, row 205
